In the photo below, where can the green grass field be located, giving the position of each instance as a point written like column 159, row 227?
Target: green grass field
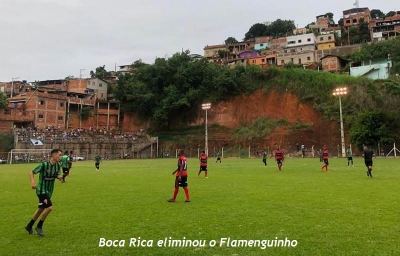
column 338, row 213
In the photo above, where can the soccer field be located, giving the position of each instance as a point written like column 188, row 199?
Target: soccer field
column 338, row 213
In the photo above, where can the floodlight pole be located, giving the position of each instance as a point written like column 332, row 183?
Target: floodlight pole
column 206, row 106
column 341, row 128
column 339, row 92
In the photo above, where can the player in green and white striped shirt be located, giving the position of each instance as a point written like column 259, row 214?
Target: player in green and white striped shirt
column 48, row 172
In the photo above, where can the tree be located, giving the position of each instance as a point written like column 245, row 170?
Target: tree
column 256, row 30
column 376, row 13
column 281, row 27
column 340, row 22
column 100, row 72
column 70, row 77
column 330, row 17
column 371, row 128
column 390, row 14
column 364, row 33
column 3, row 100
column 231, row 40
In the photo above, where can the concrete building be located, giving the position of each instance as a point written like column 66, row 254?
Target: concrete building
column 301, row 58
column 211, row 51
column 277, row 43
column 299, row 43
column 373, row 69
column 332, row 63
column 383, row 29
column 261, row 43
column 326, row 41
column 353, row 16
column 263, row 61
column 98, row 87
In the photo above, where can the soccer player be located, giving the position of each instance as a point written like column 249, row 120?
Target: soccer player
column 218, row 158
column 65, row 165
column 279, row 154
column 203, row 164
column 368, row 154
column 325, row 154
column 97, row 160
column 181, row 177
column 319, row 152
column 349, row 157
column 48, row 172
column 70, row 161
column 265, row 158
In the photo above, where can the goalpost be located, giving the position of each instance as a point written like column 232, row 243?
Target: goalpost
column 28, row 155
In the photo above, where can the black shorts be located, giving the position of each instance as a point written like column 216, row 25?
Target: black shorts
column 279, row 161
column 350, row 158
column 97, row 165
column 368, row 163
column 65, row 170
column 264, row 160
column 181, row 183
column 203, row 168
column 44, row 201
column 218, row 158
column 326, row 161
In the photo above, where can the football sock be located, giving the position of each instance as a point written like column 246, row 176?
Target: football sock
column 30, row 224
column 187, row 193
column 40, row 224
column 370, row 172
column 175, row 193
column 206, row 174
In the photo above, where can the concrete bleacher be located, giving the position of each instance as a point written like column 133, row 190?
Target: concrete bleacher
column 87, row 143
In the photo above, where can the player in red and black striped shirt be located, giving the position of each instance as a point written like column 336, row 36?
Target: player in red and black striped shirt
column 325, row 154
column 279, row 157
column 181, row 177
column 203, row 164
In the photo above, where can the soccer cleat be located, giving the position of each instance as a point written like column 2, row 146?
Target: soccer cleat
column 171, row 200
column 39, row 231
column 206, row 177
column 187, row 201
column 367, row 173
column 29, row 229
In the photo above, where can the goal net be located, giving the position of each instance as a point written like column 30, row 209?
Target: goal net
column 28, row 155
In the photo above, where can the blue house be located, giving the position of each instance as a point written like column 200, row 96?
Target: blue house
column 374, row 69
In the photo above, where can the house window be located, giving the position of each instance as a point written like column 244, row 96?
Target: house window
column 262, row 60
column 93, row 83
column 261, row 45
column 100, row 85
column 41, row 102
column 321, row 39
column 329, row 37
column 101, row 95
column 354, row 20
column 254, row 61
column 60, row 118
column 308, row 58
column 40, row 116
column 308, row 39
column 299, row 41
column 88, row 82
column 61, row 104
column 347, row 21
column 291, row 60
column 282, row 62
column 299, row 61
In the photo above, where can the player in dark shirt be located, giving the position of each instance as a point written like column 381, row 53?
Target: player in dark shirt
column 368, row 154
column 180, row 177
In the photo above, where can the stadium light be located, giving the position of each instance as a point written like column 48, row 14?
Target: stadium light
column 206, row 106
column 339, row 92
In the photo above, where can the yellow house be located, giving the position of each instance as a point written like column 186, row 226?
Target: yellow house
column 325, row 46
column 325, row 42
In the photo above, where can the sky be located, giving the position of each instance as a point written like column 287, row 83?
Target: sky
column 52, row 39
